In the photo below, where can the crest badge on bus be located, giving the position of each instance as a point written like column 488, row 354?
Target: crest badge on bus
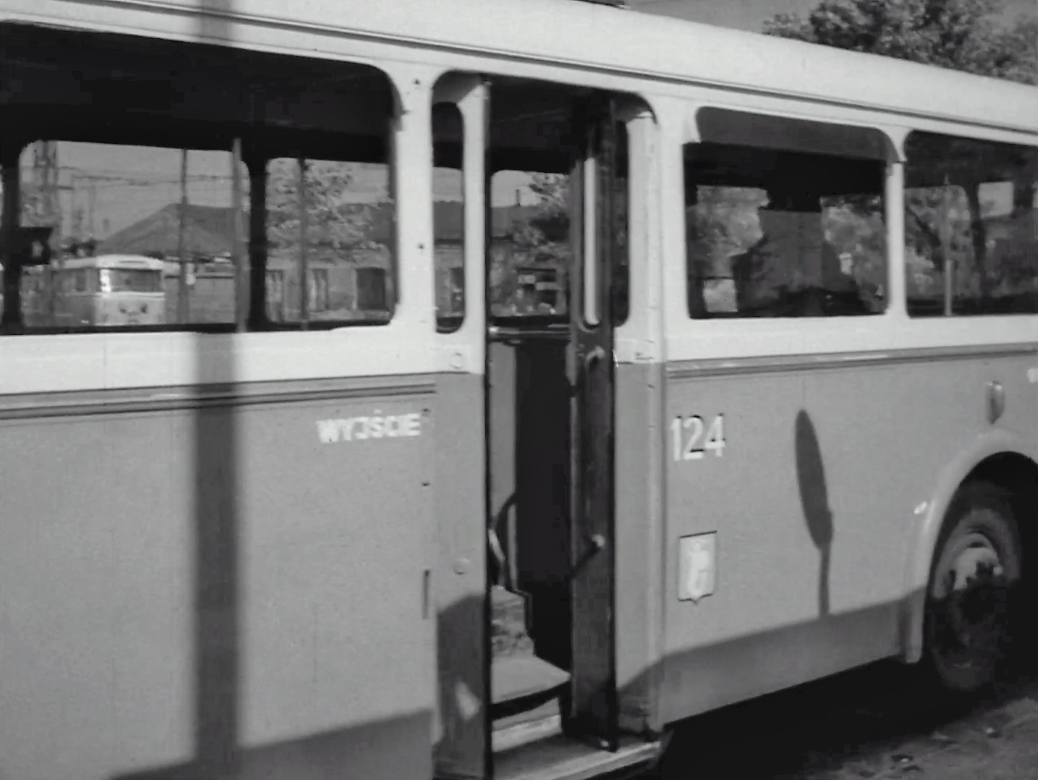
column 697, row 573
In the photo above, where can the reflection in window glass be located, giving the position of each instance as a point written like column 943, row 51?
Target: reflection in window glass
column 329, row 223
column 776, row 233
column 970, row 226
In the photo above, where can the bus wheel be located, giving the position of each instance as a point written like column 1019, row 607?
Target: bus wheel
column 971, row 597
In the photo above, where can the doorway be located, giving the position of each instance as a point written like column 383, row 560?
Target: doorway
column 556, row 283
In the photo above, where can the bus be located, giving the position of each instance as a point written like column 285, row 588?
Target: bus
column 110, row 291
column 90, row 292
column 779, row 419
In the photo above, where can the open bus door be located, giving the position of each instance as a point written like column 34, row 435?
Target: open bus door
column 593, row 708
column 550, row 454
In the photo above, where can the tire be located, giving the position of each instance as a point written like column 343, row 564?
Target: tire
column 971, row 603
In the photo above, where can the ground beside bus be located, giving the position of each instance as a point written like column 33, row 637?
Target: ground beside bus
column 863, row 725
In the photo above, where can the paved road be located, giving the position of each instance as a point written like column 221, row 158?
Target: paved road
column 866, row 724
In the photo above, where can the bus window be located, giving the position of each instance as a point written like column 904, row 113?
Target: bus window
column 154, row 177
column 970, row 226
column 448, row 216
column 80, row 281
column 784, row 218
column 530, row 236
column 530, row 252
column 123, row 280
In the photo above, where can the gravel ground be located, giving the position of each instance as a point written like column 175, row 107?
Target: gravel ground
column 870, row 723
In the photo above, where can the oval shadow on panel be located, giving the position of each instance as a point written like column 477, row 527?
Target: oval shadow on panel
column 814, row 499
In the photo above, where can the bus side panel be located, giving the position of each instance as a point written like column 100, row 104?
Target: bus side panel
column 809, row 507
column 639, row 559
column 219, row 589
column 96, row 560
column 338, row 629
column 812, row 501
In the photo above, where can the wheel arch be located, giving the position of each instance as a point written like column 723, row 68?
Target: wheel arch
column 998, row 457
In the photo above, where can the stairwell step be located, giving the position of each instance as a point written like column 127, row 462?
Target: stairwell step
column 519, row 676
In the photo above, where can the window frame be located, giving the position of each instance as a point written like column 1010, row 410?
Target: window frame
column 387, row 74
column 820, row 145
column 945, row 307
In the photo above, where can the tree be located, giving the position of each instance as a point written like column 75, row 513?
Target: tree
column 333, row 223
column 956, row 34
column 549, row 226
column 945, row 224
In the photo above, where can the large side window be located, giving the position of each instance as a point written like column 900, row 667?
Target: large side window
column 784, row 218
column 970, row 226
column 128, row 170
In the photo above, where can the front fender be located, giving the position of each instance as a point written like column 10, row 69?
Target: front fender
column 927, row 520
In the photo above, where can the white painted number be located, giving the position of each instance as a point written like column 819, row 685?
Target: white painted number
column 689, row 444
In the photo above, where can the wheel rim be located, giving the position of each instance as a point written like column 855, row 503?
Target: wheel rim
column 968, row 599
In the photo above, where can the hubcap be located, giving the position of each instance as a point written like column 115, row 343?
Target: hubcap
column 966, row 591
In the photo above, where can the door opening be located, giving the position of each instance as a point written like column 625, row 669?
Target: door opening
column 555, row 256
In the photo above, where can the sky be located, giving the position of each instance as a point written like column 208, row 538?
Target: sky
column 129, row 184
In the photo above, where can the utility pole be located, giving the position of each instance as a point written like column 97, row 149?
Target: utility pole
column 182, row 293
column 91, row 205
column 945, row 233
column 76, row 228
column 304, row 260
column 47, row 207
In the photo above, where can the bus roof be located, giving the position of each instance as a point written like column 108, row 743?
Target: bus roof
column 114, row 261
column 632, row 44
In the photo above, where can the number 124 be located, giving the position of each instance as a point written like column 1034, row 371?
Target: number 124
column 693, row 438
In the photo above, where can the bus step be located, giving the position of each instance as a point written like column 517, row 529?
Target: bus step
column 515, row 677
column 565, row 758
column 526, row 727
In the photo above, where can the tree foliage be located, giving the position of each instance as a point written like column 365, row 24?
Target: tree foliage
column 548, row 228
column 957, row 34
column 333, row 222
column 945, row 216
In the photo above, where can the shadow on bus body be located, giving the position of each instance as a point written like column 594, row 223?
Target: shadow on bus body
column 814, row 499
column 701, row 679
column 389, row 748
